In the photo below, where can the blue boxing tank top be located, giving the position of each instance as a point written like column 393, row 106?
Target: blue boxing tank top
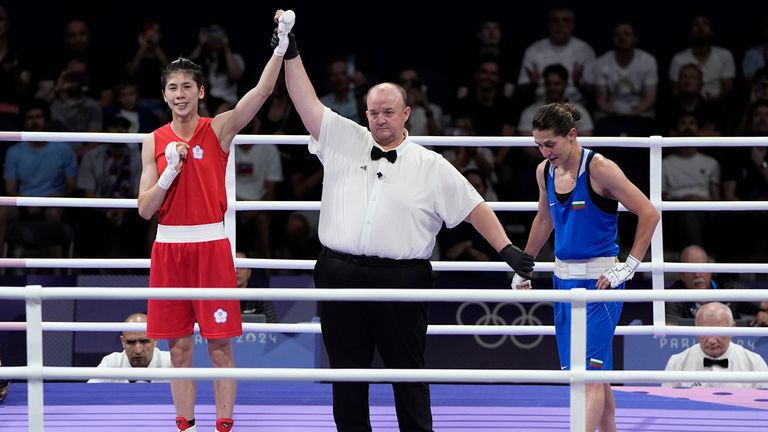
column 584, row 222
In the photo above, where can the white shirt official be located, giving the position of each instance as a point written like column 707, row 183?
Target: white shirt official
column 160, row 359
column 377, row 208
column 739, row 358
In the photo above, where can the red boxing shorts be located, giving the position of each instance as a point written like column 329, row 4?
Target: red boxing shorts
column 193, row 264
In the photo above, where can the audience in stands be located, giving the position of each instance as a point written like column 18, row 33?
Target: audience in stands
column 89, row 77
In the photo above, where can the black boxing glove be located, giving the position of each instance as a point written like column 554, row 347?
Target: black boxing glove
column 275, row 40
column 291, row 51
column 521, row 262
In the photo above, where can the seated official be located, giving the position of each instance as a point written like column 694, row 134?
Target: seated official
column 139, row 351
column 675, row 311
column 716, row 353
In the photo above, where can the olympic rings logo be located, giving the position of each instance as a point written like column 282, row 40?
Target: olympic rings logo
column 495, row 317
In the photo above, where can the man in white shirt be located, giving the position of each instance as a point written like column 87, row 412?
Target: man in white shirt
column 716, row 63
column 625, row 80
column 559, row 47
column 139, row 351
column 716, row 353
column 384, row 200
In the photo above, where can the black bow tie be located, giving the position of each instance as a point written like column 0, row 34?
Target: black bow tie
column 377, row 153
column 723, row 363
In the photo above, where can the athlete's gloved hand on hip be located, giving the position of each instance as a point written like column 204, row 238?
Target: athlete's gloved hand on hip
column 521, row 262
column 618, row 274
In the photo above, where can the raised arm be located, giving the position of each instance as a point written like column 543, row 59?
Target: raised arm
column 300, row 89
column 230, row 123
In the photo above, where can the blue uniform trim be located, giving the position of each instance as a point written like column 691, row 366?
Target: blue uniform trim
column 583, row 231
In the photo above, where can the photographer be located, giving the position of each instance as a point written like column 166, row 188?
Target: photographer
column 223, row 69
column 72, row 109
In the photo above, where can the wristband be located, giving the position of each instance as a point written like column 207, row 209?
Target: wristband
column 166, row 178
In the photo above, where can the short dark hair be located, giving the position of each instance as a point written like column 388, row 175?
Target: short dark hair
column 557, row 69
column 182, row 64
column 117, row 122
column 33, row 104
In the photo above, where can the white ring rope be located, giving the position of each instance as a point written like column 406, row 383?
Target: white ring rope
column 356, row 294
column 283, row 264
column 381, row 294
column 481, row 141
column 385, row 375
column 35, row 372
column 315, row 205
column 434, row 329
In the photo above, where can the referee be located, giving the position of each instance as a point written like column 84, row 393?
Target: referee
column 384, row 200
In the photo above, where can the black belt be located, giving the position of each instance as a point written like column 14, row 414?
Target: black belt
column 373, row 260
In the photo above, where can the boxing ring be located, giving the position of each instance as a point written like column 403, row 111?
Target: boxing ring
column 282, row 399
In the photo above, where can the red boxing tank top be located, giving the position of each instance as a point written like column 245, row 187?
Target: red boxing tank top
column 198, row 195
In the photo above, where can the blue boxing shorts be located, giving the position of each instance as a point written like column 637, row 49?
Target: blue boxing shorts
column 602, row 319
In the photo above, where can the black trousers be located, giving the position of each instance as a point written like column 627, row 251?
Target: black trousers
column 353, row 330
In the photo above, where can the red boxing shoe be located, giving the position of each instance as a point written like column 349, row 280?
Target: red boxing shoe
column 184, row 425
column 224, row 424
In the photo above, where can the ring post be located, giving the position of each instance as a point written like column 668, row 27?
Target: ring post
column 578, row 359
column 35, row 403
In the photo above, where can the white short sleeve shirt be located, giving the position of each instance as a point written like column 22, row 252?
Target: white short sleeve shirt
column 626, row 86
column 377, row 208
column 160, row 359
column 682, row 177
column 719, row 65
column 739, row 358
column 543, row 53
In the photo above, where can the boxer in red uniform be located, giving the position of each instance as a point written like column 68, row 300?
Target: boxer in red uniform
column 182, row 179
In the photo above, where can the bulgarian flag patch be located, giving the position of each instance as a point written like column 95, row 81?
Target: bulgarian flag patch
column 578, row 205
column 595, row 363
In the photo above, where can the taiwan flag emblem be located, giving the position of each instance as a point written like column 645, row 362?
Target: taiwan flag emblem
column 579, row 205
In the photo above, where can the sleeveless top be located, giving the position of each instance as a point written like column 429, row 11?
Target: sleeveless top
column 584, row 222
column 198, row 194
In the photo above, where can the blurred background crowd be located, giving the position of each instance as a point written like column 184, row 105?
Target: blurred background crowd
column 672, row 68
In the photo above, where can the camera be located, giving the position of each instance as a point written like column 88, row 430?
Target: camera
column 80, row 78
column 216, row 33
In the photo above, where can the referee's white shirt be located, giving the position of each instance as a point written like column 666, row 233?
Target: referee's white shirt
column 739, row 358
column 381, row 209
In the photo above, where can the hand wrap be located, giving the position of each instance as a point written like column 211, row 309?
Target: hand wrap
column 622, row 272
column 284, row 25
column 169, row 174
column 519, row 282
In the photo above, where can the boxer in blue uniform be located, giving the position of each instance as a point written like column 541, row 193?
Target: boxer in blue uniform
column 579, row 193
